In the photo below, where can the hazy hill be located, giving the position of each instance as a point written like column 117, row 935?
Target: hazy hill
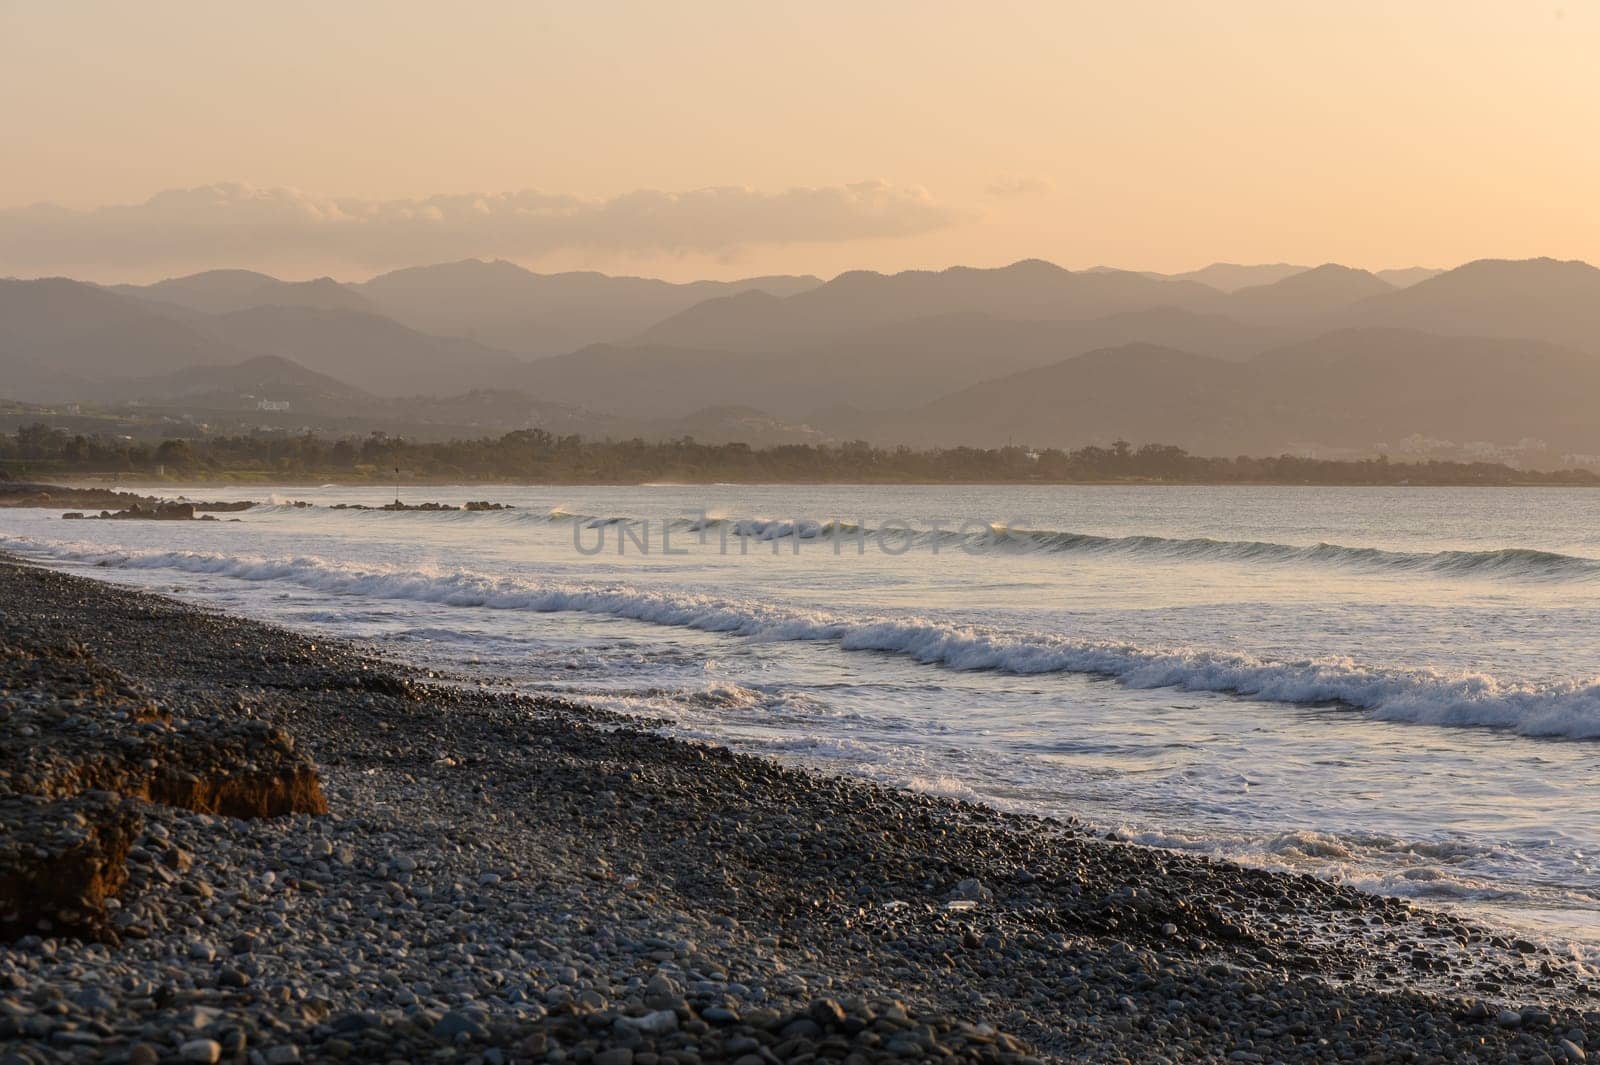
column 1406, row 276
column 221, row 291
column 1031, row 289
column 1358, row 388
column 1306, row 296
column 80, row 332
column 658, row 381
column 24, row 381
column 491, row 411
column 879, row 367
column 264, row 377
column 1137, row 391
column 1494, row 350
column 724, row 425
column 637, row 382
column 1543, row 299
column 503, row 305
column 67, row 329
column 1230, row 277
column 972, row 345
column 368, row 351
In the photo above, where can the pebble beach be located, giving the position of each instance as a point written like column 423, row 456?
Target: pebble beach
column 226, row 841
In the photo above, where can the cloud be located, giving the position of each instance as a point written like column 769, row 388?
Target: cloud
column 1015, row 185
column 241, row 223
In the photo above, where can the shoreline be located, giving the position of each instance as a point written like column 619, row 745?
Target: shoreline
column 533, row 874
column 104, row 481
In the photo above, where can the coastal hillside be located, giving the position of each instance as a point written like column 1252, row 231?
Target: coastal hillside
column 1538, row 299
column 65, row 327
column 1348, row 389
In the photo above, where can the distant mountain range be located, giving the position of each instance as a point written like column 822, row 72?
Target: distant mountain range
column 504, row 306
column 1228, row 358
column 1230, row 277
column 1348, row 389
column 221, row 291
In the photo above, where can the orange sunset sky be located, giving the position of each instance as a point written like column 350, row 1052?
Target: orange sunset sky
column 727, row 139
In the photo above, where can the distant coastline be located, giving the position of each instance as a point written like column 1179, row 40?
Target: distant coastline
column 533, row 456
column 155, row 489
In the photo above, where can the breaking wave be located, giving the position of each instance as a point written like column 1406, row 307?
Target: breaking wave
column 1509, row 563
column 1504, row 562
column 1568, row 709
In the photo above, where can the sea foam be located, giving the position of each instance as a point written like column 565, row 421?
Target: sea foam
column 1569, row 709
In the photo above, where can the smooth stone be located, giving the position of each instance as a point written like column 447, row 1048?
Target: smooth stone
column 453, row 1024
column 94, row 999
column 204, row 1051
column 971, row 890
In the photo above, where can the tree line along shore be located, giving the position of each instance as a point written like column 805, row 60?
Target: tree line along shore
column 535, row 456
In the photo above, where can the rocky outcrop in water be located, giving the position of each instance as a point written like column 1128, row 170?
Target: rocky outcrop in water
column 159, row 511
column 27, row 494
column 474, row 505
column 112, row 504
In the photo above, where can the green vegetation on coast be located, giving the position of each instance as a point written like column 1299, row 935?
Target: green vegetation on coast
column 536, row 456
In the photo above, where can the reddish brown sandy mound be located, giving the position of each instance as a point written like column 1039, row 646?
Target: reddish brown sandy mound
column 77, row 738
column 60, row 860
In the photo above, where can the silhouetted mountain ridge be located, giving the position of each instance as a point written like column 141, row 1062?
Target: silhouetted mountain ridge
column 1543, row 299
column 1030, row 289
column 1306, row 296
column 503, row 305
column 221, row 291
column 1334, row 356
column 1353, row 388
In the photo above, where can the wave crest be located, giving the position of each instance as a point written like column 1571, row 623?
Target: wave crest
column 1509, row 563
column 1568, row 709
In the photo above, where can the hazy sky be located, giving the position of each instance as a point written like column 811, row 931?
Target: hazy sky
column 725, row 139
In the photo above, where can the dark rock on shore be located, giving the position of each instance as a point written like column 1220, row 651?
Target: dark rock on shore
column 22, row 494
column 112, row 504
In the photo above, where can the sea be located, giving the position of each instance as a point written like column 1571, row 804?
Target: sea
column 1394, row 688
